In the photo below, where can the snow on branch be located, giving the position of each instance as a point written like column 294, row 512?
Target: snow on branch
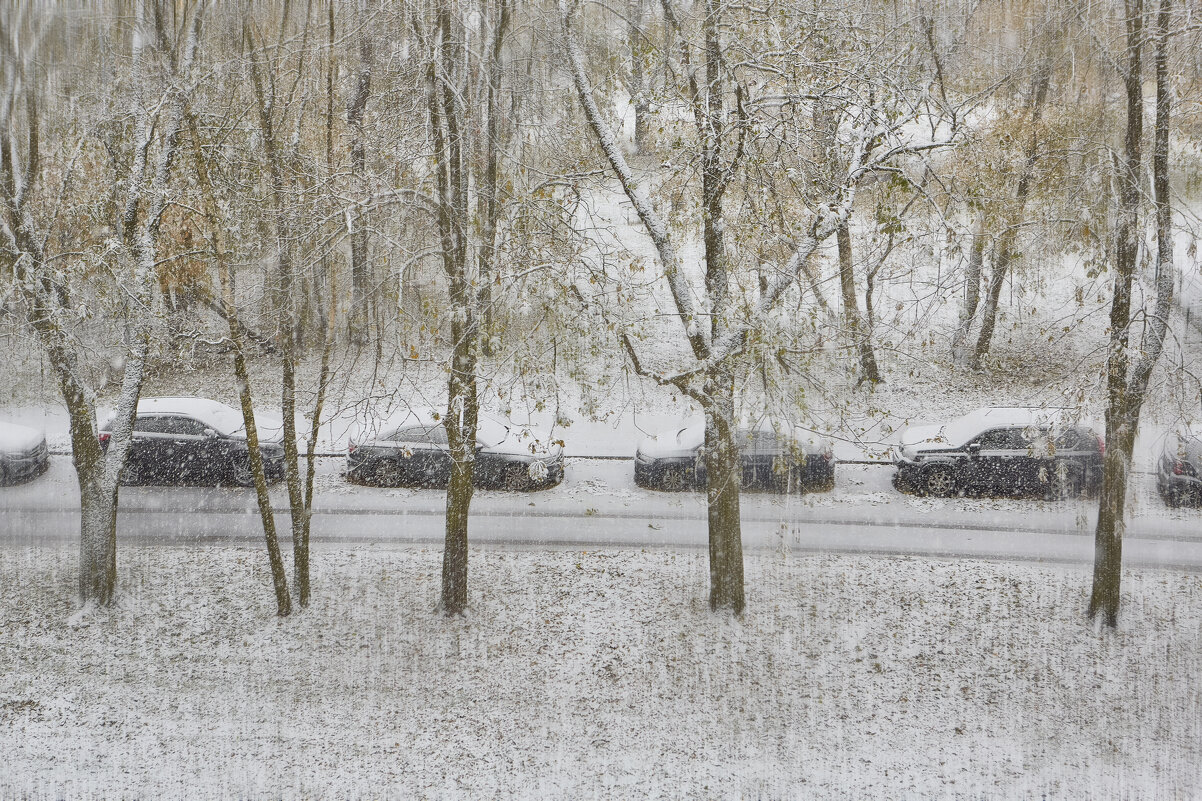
column 654, row 223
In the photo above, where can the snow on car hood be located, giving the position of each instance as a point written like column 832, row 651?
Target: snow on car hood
column 518, row 440
column 676, row 441
column 929, row 436
column 17, row 439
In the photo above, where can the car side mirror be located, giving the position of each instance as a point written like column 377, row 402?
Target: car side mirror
column 210, row 433
column 974, row 449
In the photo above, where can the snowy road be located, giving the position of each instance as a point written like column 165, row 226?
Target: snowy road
column 599, row 505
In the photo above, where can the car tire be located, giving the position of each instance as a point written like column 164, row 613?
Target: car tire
column 132, row 474
column 1064, row 485
column 939, row 481
column 241, row 473
column 386, row 474
column 1178, row 497
column 673, row 479
column 515, row 477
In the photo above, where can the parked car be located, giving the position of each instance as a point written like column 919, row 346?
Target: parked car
column 410, row 449
column 196, row 441
column 23, row 453
column 1001, row 450
column 1179, row 470
column 781, row 458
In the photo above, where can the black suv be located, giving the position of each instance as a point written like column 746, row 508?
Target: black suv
column 1001, row 451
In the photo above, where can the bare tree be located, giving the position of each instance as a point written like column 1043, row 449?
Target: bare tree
column 1127, row 383
column 716, row 328
column 159, row 73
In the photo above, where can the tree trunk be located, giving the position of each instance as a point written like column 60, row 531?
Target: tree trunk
column 993, row 295
column 723, row 475
column 1121, row 426
column 214, row 234
column 972, row 292
column 1125, row 395
column 489, row 203
column 851, row 311
column 286, row 308
column 360, row 300
column 448, row 121
column 1122, row 408
column 640, row 91
column 1005, row 247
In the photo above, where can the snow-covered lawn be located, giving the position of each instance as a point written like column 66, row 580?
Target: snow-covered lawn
column 595, row 675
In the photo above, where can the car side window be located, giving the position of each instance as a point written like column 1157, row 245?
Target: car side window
column 435, row 435
column 1002, row 439
column 151, row 424
column 407, row 435
column 424, row 435
column 1070, row 440
column 185, row 427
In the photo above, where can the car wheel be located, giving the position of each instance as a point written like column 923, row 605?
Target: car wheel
column 673, row 479
column 387, row 474
column 132, row 474
column 1063, row 484
column 241, row 473
column 516, row 477
column 939, row 481
column 1183, row 496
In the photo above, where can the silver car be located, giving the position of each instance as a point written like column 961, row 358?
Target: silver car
column 23, row 453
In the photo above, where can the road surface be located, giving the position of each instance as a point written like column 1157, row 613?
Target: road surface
column 598, row 505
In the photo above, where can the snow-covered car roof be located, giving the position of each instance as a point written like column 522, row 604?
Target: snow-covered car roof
column 221, row 417
column 689, row 435
column 16, row 439
column 491, row 429
column 965, row 427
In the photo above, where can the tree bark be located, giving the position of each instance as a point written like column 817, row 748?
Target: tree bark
column 640, row 91
column 356, row 105
column 851, row 310
column 1005, row 247
column 1125, row 394
column 489, row 203
column 215, row 237
column 972, row 291
column 447, row 124
column 723, row 475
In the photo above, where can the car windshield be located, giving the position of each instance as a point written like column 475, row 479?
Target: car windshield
column 691, row 436
column 490, row 431
column 224, row 419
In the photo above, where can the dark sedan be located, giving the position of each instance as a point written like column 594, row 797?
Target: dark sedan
column 410, row 449
column 771, row 459
column 1001, row 451
column 23, row 453
column 1179, row 470
column 196, row 441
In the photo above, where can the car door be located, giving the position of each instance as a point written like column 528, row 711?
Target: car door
column 146, row 448
column 422, row 454
column 436, row 456
column 992, row 459
column 1032, row 473
column 201, row 456
column 182, row 442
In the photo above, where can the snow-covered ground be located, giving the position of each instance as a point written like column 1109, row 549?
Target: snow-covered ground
column 595, row 675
